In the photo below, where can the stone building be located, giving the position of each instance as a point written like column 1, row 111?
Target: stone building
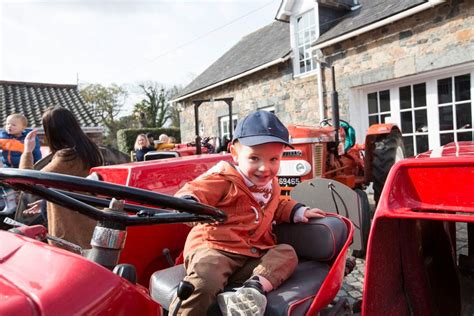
column 410, row 62
column 32, row 99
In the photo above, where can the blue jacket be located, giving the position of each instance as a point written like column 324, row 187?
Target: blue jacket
column 12, row 148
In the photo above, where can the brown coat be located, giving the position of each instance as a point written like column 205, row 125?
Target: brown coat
column 248, row 229
column 64, row 223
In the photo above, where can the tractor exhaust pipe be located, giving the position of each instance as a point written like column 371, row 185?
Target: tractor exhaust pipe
column 335, row 109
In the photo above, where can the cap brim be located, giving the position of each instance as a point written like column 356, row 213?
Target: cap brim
column 261, row 139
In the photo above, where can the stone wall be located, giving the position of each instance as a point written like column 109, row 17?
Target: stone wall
column 433, row 39
column 295, row 100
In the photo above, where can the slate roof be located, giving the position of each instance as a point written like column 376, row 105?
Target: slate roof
column 32, row 99
column 255, row 49
column 370, row 12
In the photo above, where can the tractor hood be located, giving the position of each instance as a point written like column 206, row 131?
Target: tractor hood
column 13, row 301
column 38, row 279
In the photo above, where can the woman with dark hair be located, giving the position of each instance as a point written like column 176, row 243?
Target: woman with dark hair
column 73, row 154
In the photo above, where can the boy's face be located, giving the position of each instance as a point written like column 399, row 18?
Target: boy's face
column 14, row 126
column 258, row 163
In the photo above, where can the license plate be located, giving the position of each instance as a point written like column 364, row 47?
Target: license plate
column 288, row 181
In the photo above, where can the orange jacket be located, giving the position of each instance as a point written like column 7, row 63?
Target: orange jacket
column 248, row 229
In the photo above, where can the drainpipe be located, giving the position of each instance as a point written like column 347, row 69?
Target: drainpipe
column 319, row 74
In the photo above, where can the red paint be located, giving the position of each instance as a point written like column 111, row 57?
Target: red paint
column 40, row 279
column 420, row 192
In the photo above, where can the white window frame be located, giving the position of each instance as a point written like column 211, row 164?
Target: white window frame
column 303, row 8
column 223, row 121
column 358, row 109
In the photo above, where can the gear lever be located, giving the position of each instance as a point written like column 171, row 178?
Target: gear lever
column 185, row 289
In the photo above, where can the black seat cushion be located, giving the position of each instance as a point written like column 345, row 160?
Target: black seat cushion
column 320, row 239
column 164, row 284
column 303, row 283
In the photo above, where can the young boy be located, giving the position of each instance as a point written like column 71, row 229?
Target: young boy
column 242, row 250
column 12, row 138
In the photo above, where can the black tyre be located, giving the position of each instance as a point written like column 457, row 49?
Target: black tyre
column 388, row 150
column 364, row 223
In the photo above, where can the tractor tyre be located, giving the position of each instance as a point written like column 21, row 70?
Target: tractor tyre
column 364, row 223
column 388, row 150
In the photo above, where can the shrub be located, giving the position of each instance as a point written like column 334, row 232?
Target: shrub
column 126, row 137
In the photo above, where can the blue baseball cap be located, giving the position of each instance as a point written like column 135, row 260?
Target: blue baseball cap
column 261, row 127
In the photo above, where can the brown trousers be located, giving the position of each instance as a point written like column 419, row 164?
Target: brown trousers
column 210, row 270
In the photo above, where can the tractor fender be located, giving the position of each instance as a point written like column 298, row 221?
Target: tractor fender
column 374, row 132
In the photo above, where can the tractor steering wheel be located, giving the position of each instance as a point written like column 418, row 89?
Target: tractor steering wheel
column 56, row 188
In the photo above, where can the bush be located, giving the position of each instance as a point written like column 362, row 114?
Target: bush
column 126, row 137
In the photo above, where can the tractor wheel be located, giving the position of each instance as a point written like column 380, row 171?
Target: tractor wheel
column 388, row 150
column 364, row 223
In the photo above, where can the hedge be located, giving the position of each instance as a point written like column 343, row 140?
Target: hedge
column 126, row 137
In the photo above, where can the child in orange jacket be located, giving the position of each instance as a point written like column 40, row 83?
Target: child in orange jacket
column 243, row 249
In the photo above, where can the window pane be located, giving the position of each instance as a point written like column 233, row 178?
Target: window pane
column 444, row 90
column 446, row 118
column 372, row 100
column 383, row 116
column 302, row 66
column 421, row 121
column 384, row 101
column 421, row 144
column 466, row 136
column 407, row 122
column 463, row 116
column 408, row 142
column 463, row 86
column 419, row 95
column 308, row 65
column 446, row 138
column 373, row 119
column 405, row 97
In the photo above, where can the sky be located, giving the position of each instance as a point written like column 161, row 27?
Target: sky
column 122, row 41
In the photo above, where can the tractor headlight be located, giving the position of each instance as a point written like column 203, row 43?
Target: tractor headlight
column 294, row 168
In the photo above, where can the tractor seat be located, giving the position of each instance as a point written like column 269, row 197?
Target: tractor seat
column 316, row 243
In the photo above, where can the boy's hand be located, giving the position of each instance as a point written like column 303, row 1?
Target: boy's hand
column 30, row 141
column 313, row 213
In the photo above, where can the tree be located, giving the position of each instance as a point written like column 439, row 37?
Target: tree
column 107, row 103
column 174, row 112
column 155, row 105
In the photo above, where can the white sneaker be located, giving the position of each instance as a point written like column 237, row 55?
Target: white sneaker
column 246, row 301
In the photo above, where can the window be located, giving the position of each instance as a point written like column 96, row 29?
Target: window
column 224, row 130
column 379, row 106
column 455, row 109
column 305, row 34
column 430, row 109
column 414, row 118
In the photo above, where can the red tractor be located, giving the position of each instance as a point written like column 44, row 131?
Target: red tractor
column 413, row 262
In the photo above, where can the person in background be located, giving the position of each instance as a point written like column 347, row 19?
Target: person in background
column 11, row 142
column 141, row 147
column 12, row 139
column 243, row 249
column 151, row 140
column 163, row 143
column 73, row 154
